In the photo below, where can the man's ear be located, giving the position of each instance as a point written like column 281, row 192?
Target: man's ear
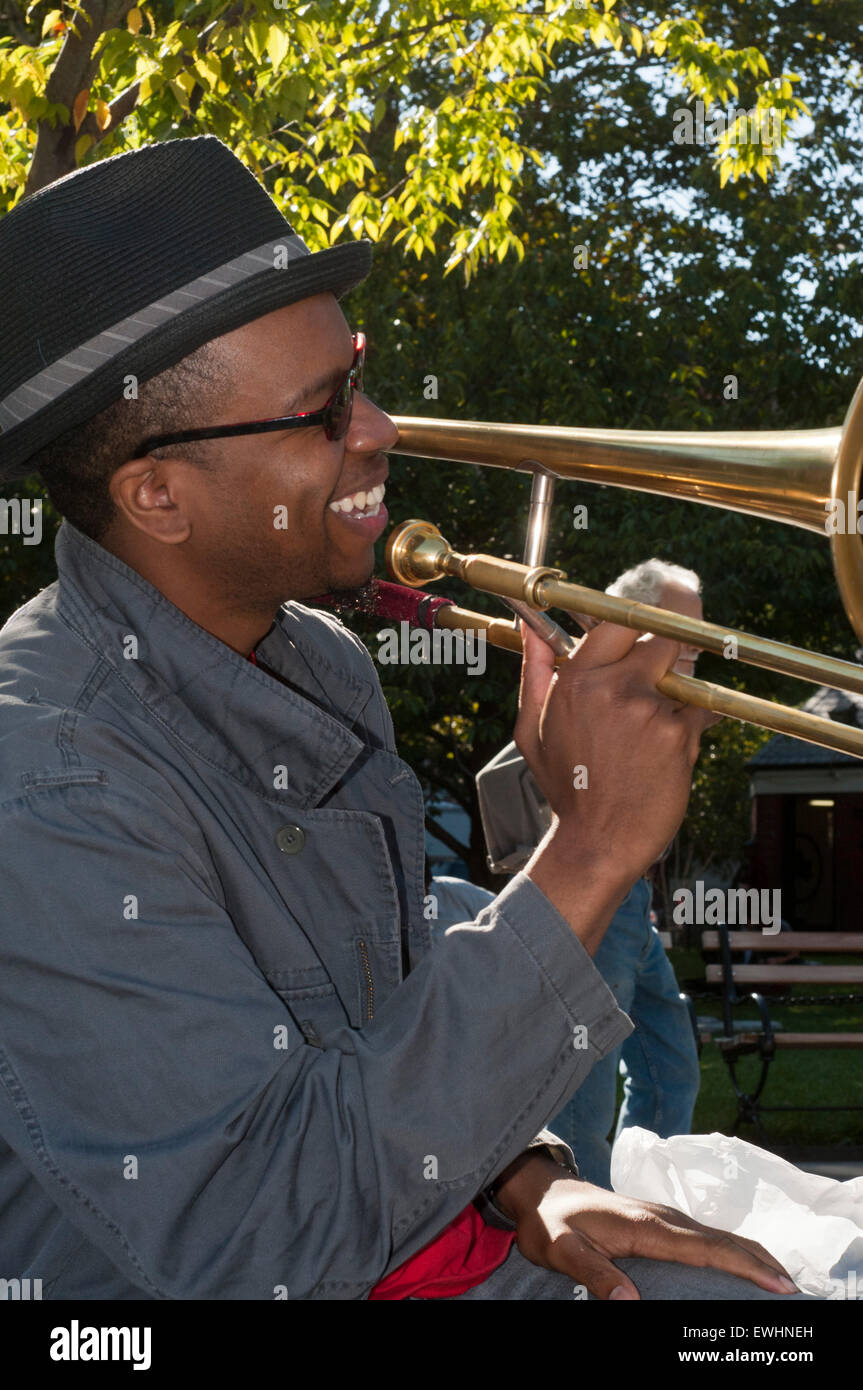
column 152, row 495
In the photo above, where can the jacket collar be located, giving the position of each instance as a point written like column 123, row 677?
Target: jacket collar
column 210, row 698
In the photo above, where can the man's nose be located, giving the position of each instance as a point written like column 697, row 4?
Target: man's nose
column 371, row 429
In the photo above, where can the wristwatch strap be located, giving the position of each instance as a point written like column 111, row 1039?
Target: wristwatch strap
column 556, row 1150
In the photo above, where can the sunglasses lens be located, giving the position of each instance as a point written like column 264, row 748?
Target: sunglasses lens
column 342, row 403
column 340, row 412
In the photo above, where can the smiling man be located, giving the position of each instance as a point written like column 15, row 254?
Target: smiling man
column 232, row 1066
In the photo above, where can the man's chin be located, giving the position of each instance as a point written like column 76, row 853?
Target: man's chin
column 351, row 578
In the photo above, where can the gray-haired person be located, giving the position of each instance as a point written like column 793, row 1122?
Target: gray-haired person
column 659, row 1060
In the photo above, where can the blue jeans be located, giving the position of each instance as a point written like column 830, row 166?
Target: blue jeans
column 659, row 1060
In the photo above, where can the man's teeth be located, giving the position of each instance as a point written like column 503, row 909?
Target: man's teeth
column 365, row 502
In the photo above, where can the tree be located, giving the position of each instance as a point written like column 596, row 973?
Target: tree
column 406, row 123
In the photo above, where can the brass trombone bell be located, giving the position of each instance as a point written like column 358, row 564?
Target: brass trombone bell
column 417, row 554
column 791, row 476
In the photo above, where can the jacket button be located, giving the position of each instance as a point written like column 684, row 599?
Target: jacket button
column 290, row 839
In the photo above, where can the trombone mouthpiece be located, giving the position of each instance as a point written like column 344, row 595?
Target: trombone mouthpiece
column 415, row 553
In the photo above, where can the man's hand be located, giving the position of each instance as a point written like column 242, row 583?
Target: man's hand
column 635, row 748
column 577, row 1229
column 601, row 711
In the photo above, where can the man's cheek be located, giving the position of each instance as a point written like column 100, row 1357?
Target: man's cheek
column 295, row 517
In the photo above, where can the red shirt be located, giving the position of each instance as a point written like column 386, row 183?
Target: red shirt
column 462, row 1256
column 465, row 1253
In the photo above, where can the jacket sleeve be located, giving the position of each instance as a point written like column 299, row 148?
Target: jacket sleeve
column 165, row 1098
column 515, row 815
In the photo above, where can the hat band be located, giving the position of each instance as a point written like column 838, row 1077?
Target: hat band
column 46, row 386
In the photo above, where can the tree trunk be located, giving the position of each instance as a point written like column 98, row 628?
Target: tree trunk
column 73, row 73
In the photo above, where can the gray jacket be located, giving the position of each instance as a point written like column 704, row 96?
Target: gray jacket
column 230, row 1065
column 514, row 813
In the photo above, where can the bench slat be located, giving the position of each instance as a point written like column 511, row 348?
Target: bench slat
column 785, row 942
column 790, row 974
column 809, row 1040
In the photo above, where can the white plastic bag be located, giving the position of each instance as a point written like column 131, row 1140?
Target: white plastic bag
column 812, row 1225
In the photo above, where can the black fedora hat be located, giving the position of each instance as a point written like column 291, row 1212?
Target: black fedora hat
column 126, row 266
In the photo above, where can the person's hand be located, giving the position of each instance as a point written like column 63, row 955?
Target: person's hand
column 576, row 1229
column 612, row 756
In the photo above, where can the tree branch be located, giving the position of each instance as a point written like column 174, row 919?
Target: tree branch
column 446, row 839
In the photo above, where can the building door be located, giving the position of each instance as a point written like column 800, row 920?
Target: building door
column 812, row 876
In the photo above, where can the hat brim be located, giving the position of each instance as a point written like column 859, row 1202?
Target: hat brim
column 336, row 270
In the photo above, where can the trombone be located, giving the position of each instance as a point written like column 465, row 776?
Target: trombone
column 798, row 477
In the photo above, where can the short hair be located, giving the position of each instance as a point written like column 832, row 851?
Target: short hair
column 78, row 465
column 645, row 582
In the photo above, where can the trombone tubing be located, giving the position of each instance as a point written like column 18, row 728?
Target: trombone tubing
column 779, row 719
column 547, row 588
column 417, row 553
column 792, row 476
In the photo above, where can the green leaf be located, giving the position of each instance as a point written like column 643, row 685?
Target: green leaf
column 278, row 44
column 182, row 86
column 52, row 17
column 256, row 38
column 209, row 70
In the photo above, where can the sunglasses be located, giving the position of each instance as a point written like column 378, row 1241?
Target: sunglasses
column 335, row 416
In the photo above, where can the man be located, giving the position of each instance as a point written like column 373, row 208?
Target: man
column 659, row 1059
column 233, row 1067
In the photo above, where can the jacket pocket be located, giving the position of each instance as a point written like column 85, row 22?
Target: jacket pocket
column 312, row 999
column 340, row 889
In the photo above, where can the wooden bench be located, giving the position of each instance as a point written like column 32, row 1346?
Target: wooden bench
column 766, row 1040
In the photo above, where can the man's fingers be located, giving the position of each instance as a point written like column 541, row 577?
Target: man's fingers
column 591, row 1270
column 716, row 1250
column 602, row 646
column 648, row 658
column 678, row 1220
column 729, row 1254
column 668, row 1234
column 654, row 656
column 762, row 1254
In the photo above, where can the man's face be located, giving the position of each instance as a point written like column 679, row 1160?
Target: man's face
column 287, row 362
column 681, row 600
